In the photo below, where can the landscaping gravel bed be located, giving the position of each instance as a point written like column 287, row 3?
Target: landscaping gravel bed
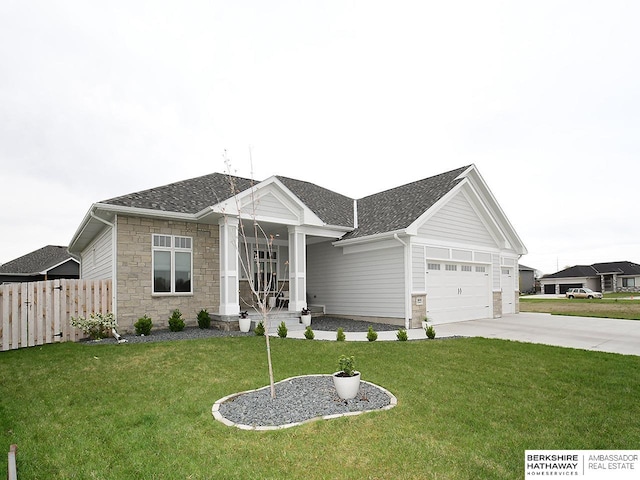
column 188, row 333
column 297, row 400
column 318, row 323
column 331, row 324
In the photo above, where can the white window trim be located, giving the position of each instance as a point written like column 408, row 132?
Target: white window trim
column 172, row 250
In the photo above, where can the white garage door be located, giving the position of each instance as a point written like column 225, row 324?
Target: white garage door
column 457, row 291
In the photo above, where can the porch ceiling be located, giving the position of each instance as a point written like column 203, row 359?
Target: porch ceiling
column 280, row 232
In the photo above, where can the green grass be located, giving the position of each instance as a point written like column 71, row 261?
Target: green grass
column 612, row 306
column 468, row 408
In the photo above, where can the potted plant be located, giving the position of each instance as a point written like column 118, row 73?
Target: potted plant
column 347, row 379
column 245, row 322
column 305, row 317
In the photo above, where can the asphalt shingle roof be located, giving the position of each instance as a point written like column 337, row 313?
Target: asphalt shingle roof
column 37, row 261
column 186, row 196
column 399, row 207
column 624, row 268
column 621, row 268
column 390, row 210
column 331, row 207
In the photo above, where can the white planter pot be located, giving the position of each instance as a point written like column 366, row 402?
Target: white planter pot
column 272, row 302
column 245, row 324
column 306, row 320
column 424, row 324
column 347, row 387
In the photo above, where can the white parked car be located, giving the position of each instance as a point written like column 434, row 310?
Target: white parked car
column 582, row 293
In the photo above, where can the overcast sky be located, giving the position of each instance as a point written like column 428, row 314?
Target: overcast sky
column 100, row 99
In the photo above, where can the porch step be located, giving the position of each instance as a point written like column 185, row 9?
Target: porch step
column 290, row 319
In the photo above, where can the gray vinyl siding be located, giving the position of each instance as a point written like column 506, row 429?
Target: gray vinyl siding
column 97, row 258
column 269, row 206
column 496, row 272
column 365, row 283
column 418, row 268
column 457, row 221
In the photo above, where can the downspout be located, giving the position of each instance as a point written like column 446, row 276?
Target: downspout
column 407, row 283
column 114, row 262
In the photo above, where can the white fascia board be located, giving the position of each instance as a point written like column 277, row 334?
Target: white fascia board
column 58, row 264
column 328, row 231
column 479, row 184
column 483, row 214
column 275, row 187
column 371, row 238
column 87, row 218
column 308, row 217
column 144, row 212
column 118, row 209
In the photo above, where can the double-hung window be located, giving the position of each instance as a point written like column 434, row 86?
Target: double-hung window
column 172, row 264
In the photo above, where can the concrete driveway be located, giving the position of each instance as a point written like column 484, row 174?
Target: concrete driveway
column 599, row 334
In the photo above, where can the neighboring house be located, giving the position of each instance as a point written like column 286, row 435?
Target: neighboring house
column 601, row 277
column 440, row 246
column 527, row 279
column 47, row 263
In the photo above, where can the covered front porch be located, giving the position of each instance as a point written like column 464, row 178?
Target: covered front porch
column 263, row 237
column 266, row 265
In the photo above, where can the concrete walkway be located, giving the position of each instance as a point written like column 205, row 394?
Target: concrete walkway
column 598, row 334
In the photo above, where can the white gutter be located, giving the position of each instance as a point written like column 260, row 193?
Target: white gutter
column 407, row 282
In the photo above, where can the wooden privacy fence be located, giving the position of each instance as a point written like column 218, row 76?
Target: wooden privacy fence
column 36, row 313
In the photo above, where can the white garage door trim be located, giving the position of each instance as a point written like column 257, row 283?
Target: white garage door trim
column 457, row 291
column 507, row 280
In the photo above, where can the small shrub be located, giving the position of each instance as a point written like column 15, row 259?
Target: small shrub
column 176, row 323
column 204, row 319
column 372, row 336
column 282, row 330
column 259, row 330
column 402, row 335
column 97, row 326
column 308, row 333
column 340, row 337
column 143, row 326
column 347, row 365
column 430, row 331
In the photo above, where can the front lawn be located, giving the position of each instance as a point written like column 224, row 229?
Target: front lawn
column 467, row 408
column 609, row 307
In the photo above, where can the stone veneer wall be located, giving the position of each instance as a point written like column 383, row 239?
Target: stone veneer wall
column 134, row 294
column 517, row 304
column 418, row 309
column 497, row 304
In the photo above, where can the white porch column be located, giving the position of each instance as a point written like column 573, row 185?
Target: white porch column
column 297, row 270
column 229, row 286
